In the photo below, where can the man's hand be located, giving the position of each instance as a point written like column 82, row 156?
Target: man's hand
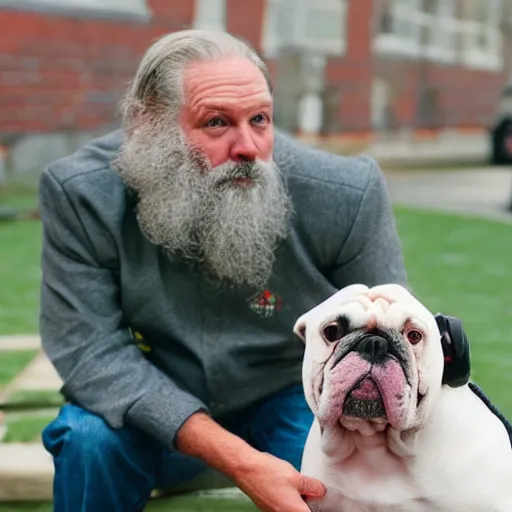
column 273, row 485
column 276, row 486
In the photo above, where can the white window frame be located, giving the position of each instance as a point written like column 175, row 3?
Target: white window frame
column 443, row 21
column 470, row 56
column 298, row 12
column 474, row 56
column 108, row 8
column 210, row 14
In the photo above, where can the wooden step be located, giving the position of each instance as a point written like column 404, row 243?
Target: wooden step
column 26, row 472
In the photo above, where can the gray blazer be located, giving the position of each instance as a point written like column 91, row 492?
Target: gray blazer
column 205, row 348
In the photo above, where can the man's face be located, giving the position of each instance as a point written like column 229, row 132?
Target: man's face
column 208, row 189
column 227, row 112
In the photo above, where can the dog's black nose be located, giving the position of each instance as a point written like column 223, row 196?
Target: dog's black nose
column 373, row 348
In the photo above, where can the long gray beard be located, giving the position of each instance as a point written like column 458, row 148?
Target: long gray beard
column 199, row 214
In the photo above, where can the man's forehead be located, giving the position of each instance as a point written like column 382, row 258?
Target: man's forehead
column 229, row 83
column 228, row 105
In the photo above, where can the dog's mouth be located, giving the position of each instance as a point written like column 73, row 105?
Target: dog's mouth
column 365, row 401
column 357, row 390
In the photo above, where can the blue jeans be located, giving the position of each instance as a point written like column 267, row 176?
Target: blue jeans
column 100, row 469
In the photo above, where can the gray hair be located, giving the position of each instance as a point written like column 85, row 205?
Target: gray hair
column 158, row 85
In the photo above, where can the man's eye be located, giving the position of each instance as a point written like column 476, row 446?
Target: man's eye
column 216, row 122
column 259, row 119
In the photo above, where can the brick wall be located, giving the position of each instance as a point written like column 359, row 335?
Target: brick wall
column 350, row 77
column 59, row 73
column 430, row 95
column 245, row 19
column 459, row 97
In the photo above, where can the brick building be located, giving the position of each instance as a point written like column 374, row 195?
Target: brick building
column 338, row 66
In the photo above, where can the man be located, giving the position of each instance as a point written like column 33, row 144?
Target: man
column 178, row 253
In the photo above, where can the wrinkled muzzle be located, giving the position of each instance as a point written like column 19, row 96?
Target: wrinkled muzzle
column 369, row 380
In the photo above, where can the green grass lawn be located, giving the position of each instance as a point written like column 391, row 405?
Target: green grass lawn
column 11, row 363
column 461, row 267
column 21, row 194
column 177, row 504
column 456, row 265
column 29, row 397
column 25, row 429
column 20, row 274
column 23, row 422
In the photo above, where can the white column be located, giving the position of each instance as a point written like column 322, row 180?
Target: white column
column 210, row 15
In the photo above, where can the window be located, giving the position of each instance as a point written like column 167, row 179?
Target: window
column 380, row 104
column 111, row 7
column 439, row 28
column 385, row 18
column 482, row 34
column 431, row 29
column 418, row 28
column 318, row 26
column 403, row 15
column 210, row 14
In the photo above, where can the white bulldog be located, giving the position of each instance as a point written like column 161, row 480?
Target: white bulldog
column 388, row 435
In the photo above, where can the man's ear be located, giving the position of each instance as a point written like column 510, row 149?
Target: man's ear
column 300, row 329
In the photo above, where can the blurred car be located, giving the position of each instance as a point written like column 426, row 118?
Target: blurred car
column 501, row 130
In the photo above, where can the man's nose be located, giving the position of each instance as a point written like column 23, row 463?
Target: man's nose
column 244, row 148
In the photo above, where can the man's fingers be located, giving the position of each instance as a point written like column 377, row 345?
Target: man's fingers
column 310, row 487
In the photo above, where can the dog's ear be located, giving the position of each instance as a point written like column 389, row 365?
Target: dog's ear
column 300, row 329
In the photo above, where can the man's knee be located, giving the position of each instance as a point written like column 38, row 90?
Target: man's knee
column 81, row 433
column 98, row 467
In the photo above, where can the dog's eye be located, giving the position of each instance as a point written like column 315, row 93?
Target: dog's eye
column 333, row 332
column 414, row 336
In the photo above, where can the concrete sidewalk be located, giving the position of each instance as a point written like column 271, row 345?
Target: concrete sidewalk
column 20, row 342
column 453, row 148
column 483, row 192
column 26, row 469
column 26, row 473
column 400, row 150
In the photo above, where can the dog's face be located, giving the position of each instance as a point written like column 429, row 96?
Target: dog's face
column 373, row 358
